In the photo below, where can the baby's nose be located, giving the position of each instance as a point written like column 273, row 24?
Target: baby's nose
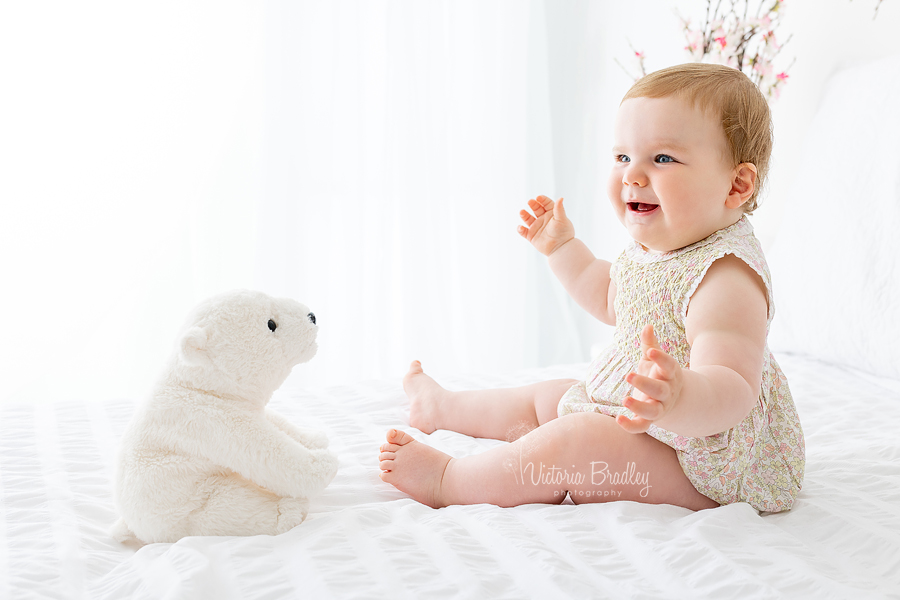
column 634, row 178
column 312, row 317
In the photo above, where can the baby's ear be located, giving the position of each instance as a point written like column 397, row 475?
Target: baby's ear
column 743, row 184
column 193, row 347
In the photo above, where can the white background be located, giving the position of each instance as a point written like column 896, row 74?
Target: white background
column 366, row 158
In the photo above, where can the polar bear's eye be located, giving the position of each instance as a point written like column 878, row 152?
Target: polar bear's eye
column 272, row 325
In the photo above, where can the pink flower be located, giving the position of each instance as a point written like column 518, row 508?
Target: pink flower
column 747, row 44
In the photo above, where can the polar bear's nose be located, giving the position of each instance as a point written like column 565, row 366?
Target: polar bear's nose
column 312, row 317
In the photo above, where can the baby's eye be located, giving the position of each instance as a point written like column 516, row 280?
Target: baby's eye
column 664, row 158
column 622, row 158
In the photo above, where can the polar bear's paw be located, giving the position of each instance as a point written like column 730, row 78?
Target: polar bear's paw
column 291, row 512
column 324, row 466
column 315, row 439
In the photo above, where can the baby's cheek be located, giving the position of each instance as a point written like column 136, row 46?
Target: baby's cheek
column 614, row 192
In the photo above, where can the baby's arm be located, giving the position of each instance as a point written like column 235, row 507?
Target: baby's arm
column 726, row 328
column 584, row 277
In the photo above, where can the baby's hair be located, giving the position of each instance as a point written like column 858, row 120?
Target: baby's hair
column 729, row 95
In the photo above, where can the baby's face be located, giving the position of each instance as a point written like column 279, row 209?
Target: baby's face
column 670, row 175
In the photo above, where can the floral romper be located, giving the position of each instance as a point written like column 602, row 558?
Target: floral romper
column 759, row 461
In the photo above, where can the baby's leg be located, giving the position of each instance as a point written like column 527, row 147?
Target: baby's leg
column 586, row 455
column 502, row 414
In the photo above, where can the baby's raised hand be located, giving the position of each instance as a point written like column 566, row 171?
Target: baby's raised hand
column 657, row 385
column 549, row 228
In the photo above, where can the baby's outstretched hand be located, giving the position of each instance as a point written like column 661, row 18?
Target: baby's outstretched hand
column 549, row 228
column 657, row 385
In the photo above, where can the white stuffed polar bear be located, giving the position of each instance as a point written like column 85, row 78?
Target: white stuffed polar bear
column 203, row 455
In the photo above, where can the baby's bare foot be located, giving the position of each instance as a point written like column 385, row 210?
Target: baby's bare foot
column 414, row 468
column 425, row 398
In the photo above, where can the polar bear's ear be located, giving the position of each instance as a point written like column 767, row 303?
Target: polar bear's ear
column 193, row 347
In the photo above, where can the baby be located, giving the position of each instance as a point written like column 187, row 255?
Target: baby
column 687, row 406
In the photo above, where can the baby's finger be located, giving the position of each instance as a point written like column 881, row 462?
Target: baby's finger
column 654, row 388
column 636, row 425
column 546, row 202
column 648, row 339
column 537, row 207
column 650, row 409
column 559, row 213
column 666, row 366
column 526, row 217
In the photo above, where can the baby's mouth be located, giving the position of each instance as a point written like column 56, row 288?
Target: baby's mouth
column 642, row 207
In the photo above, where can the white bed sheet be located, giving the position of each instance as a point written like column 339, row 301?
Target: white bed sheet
column 364, row 539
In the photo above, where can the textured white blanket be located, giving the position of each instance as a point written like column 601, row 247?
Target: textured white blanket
column 364, row 539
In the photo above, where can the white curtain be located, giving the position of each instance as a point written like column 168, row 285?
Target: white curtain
column 127, row 184
column 367, row 158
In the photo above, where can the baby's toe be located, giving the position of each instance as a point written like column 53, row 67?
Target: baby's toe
column 400, row 438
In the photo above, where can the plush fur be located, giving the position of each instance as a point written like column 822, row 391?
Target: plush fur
column 204, row 455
